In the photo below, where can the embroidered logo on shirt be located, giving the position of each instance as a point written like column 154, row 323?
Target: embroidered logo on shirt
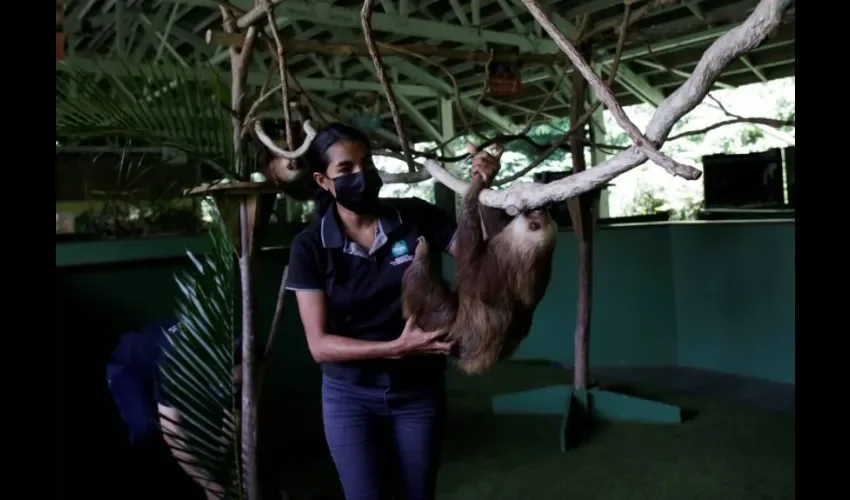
column 399, row 249
column 401, row 253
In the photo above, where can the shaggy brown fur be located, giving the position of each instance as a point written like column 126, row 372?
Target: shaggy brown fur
column 500, row 281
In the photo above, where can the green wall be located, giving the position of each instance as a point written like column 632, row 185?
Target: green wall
column 710, row 295
column 631, row 320
column 127, row 293
column 713, row 295
column 632, row 276
column 98, row 302
column 735, row 289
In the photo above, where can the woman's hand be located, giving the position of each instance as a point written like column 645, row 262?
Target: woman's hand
column 414, row 340
column 485, row 164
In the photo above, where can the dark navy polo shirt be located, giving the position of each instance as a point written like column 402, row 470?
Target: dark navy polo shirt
column 363, row 287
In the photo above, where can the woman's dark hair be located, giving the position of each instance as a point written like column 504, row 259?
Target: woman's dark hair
column 317, row 155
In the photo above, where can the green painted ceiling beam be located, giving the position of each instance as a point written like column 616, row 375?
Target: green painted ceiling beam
column 486, row 112
column 408, row 108
column 603, row 56
column 258, row 78
column 343, row 17
column 418, row 118
column 636, row 84
column 696, row 10
column 329, row 108
column 415, row 73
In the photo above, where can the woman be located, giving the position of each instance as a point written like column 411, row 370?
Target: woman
column 382, row 386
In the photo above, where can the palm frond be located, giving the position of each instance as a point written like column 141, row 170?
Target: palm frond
column 197, row 374
column 187, row 109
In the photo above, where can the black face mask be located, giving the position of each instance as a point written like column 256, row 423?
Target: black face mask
column 358, row 192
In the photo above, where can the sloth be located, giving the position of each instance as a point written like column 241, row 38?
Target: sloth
column 502, row 272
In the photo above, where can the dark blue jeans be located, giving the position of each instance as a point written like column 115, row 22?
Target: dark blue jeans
column 384, row 442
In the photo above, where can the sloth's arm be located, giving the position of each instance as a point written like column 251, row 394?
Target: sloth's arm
column 470, row 234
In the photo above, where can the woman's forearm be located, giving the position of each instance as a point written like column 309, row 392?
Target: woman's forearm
column 328, row 348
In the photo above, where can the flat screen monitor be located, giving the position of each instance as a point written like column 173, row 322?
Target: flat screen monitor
column 743, row 180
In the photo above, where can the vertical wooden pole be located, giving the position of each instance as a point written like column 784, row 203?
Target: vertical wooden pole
column 240, row 62
column 581, row 213
column 60, row 30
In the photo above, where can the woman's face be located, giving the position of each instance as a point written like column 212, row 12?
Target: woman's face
column 344, row 158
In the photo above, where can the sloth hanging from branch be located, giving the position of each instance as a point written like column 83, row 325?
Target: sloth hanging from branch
column 508, row 234
column 501, row 279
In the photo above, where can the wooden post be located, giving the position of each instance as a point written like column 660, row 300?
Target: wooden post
column 581, row 213
column 239, row 63
column 60, row 30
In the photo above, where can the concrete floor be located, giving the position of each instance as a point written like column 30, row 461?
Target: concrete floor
column 759, row 393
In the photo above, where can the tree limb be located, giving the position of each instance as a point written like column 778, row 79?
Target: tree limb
column 281, row 62
column 761, row 23
column 366, row 21
column 239, row 61
column 604, row 94
column 577, row 125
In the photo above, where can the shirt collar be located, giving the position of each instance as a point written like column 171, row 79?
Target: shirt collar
column 333, row 237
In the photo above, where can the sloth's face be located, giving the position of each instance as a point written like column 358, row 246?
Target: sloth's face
column 537, row 219
column 531, row 231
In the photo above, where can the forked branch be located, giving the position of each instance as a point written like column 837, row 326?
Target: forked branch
column 604, row 94
column 761, row 23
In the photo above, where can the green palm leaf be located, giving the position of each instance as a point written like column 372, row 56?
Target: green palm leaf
column 197, row 375
column 186, row 109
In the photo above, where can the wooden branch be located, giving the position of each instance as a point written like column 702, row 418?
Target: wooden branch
column 405, row 177
column 422, row 174
column 315, row 113
column 239, row 62
column 254, row 15
column 761, row 23
column 604, row 94
column 281, row 63
column 214, row 37
column 770, row 122
column 239, row 189
column 579, row 211
column 576, row 123
column 366, row 21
